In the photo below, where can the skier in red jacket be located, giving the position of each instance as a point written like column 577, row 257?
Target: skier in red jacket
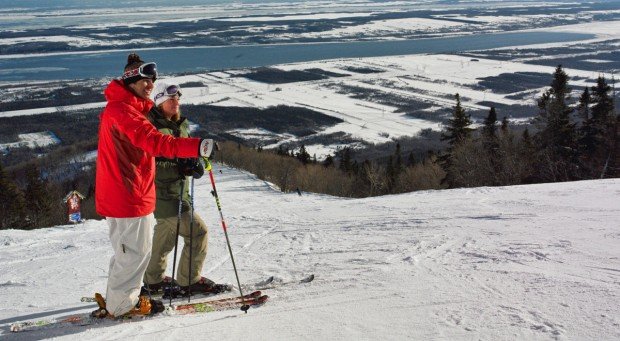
column 125, row 188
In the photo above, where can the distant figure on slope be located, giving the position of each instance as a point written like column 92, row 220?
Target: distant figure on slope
column 125, row 187
column 170, row 179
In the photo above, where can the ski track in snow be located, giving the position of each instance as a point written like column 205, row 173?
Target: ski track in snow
column 534, row 262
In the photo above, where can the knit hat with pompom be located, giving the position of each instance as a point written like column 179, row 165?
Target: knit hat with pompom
column 130, row 74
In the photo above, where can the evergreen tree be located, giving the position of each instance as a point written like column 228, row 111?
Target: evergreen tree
column 489, row 133
column 390, row 173
column 527, row 149
column 603, row 108
column 411, row 160
column 458, row 128
column 457, row 132
column 329, row 161
column 584, row 104
column 491, row 147
column 557, row 138
column 355, row 167
column 519, row 159
column 12, row 203
column 526, row 138
column 282, row 150
column 346, row 164
column 504, row 127
column 40, row 203
column 598, row 131
column 398, row 165
column 489, row 127
column 303, row 155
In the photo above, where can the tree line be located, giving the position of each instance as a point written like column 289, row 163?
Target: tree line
column 32, row 192
column 571, row 142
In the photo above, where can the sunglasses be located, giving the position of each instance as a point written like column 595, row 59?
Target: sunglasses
column 147, row 70
column 170, row 91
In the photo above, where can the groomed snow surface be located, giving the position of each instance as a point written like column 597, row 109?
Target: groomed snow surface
column 533, row 262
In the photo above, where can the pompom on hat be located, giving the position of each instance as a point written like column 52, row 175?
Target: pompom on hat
column 136, row 69
column 164, row 91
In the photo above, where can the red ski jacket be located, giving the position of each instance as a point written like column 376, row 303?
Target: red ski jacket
column 128, row 144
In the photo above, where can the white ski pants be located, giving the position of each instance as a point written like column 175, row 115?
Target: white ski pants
column 131, row 240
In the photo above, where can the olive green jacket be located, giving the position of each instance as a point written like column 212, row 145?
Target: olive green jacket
column 168, row 181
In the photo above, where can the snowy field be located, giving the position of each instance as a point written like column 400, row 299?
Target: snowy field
column 537, row 262
column 429, row 79
column 32, row 140
column 92, row 27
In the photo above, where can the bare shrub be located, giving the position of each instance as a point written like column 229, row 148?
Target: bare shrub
column 422, row 176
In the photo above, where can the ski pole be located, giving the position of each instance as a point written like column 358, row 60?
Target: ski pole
column 176, row 240
column 191, row 236
column 244, row 306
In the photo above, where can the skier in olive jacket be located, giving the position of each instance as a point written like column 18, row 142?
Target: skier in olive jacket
column 170, row 178
column 125, row 189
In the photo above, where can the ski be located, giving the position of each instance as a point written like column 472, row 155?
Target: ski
column 253, row 299
column 272, row 282
column 73, row 320
column 203, row 307
column 254, row 294
column 177, row 294
column 267, row 283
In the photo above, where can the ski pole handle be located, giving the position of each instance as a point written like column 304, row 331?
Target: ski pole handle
column 208, row 166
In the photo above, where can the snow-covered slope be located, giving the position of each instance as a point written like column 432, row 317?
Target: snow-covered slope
column 524, row 262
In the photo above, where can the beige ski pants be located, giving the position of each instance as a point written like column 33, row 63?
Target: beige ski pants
column 163, row 243
column 131, row 240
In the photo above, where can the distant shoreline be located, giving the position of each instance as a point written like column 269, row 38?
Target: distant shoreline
column 75, row 65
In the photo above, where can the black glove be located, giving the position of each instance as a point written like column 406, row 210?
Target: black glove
column 191, row 167
column 216, row 148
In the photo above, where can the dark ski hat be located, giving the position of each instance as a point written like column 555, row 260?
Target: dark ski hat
column 136, row 69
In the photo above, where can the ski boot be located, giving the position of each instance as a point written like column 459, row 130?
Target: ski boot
column 205, row 286
column 145, row 307
column 164, row 287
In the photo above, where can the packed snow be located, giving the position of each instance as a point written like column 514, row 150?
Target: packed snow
column 533, row 262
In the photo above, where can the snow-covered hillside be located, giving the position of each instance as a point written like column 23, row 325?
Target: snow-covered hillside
column 524, row 262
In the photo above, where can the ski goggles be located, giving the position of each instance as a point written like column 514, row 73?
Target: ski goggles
column 146, row 70
column 170, row 91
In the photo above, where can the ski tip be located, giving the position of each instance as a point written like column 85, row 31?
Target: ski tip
column 266, row 281
column 261, row 300
column 307, row 279
column 254, row 303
